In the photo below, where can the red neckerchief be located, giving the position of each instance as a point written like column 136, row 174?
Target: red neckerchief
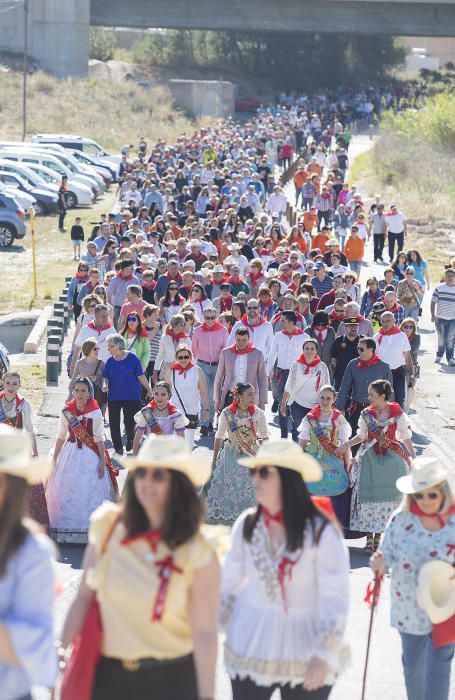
column 308, row 365
column 126, row 279
column 269, row 518
column 91, row 287
column 152, row 537
column 177, row 278
column 91, row 405
column 181, row 370
column 177, row 337
column 226, row 303
column 296, row 331
column 393, row 308
column 19, row 401
column 267, row 304
column 287, row 279
column 170, row 407
column 234, row 407
column 255, row 276
column 92, row 327
column 316, row 412
column 166, row 568
column 319, row 333
column 149, row 286
column 393, row 331
column 142, row 334
column 249, row 348
column 394, row 410
column 81, row 278
column 246, row 323
column 336, row 317
column 363, row 364
column 415, row 508
column 216, row 327
column 231, row 281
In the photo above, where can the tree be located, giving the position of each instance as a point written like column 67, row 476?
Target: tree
column 102, row 44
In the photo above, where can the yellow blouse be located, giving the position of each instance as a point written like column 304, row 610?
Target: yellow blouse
column 127, row 581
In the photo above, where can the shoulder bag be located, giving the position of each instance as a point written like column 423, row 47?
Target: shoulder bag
column 193, row 418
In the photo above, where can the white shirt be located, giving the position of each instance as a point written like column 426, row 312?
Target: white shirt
column 240, row 367
column 239, row 260
column 395, row 222
column 277, row 203
column 261, row 336
column 285, row 350
column 304, row 388
column 391, row 348
column 101, row 338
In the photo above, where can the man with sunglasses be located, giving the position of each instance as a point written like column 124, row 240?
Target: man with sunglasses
column 358, row 375
column 209, row 339
column 261, row 331
column 240, row 362
column 99, row 329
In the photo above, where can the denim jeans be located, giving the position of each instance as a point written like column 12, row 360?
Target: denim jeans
column 209, row 372
column 356, row 266
column 281, row 377
column 446, row 332
column 399, row 384
column 412, row 312
column 298, row 413
column 426, row 669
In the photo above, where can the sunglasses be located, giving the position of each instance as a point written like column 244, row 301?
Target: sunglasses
column 183, row 357
column 173, row 289
column 158, row 475
column 210, row 318
column 132, row 318
column 252, row 308
column 408, row 325
column 433, row 495
column 261, row 472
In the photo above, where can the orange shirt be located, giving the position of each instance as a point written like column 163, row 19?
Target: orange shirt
column 314, row 168
column 301, row 242
column 300, row 178
column 176, row 230
column 310, row 220
column 319, row 241
column 354, row 249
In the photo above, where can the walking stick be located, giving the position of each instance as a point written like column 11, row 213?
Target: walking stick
column 372, row 596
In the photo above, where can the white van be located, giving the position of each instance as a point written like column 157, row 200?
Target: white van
column 80, row 143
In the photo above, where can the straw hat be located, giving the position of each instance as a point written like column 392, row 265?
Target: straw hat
column 16, row 456
column 436, row 590
column 234, row 247
column 170, row 452
column 427, row 472
column 281, row 453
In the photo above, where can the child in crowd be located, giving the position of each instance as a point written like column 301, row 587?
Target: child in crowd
column 77, row 235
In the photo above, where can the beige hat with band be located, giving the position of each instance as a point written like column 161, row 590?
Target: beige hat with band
column 285, row 454
column 436, row 590
column 16, row 456
column 170, row 452
column 427, row 472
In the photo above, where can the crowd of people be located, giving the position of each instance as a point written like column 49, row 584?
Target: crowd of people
column 196, row 305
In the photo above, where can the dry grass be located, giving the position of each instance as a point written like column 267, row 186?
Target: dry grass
column 54, row 254
column 33, row 377
column 112, row 113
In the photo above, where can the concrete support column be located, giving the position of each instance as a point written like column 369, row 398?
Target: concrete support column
column 58, row 34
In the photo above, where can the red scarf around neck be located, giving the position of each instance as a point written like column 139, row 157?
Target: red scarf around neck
column 181, row 370
column 142, row 334
column 315, row 414
column 217, row 326
column 91, row 405
column 177, row 278
column 245, row 321
column 175, row 337
column 295, row 332
column 256, row 276
column 249, row 348
column 93, row 327
column 125, row 279
column 81, row 277
column 363, row 364
column 170, row 407
column 269, row 518
column 308, row 365
column 415, row 508
column 152, row 537
column 234, row 408
column 393, row 331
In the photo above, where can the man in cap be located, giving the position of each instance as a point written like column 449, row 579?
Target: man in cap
column 196, row 253
column 344, row 349
column 365, row 326
column 333, row 247
column 321, row 281
column 218, row 277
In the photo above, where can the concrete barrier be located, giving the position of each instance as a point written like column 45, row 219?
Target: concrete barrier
column 33, row 341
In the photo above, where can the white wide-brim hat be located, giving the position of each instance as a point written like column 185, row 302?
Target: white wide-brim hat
column 170, row 452
column 436, row 590
column 289, row 455
column 427, row 472
column 16, row 456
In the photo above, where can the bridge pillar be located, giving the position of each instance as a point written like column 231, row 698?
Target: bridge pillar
column 58, row 34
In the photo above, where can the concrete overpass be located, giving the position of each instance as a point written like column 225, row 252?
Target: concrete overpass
column 59, row 29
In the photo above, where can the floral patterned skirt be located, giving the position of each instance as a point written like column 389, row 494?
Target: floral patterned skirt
column 230, row 489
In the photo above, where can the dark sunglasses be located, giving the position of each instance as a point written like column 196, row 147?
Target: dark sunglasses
column 158, row 475
column 183, row 357
column 261, row 472
column 210, row 318
column 433, row 495
column 173, row 288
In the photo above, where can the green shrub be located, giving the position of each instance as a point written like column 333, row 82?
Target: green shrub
column 102, row 44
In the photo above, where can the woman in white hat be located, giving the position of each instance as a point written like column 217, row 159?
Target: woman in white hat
column 241, row 428
column 82, row 477
column 157, row 581
column 285, row 589
column 27, row 587
column 235, row 257
column 422, row 530
column 381, row 459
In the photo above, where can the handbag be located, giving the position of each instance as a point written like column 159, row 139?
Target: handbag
column 417, row 301
column 80, row 670
column 192, row 417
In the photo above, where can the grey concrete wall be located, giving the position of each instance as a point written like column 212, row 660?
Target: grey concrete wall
column 204, row 98
column 58, row 34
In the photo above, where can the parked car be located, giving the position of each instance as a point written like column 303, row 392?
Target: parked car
column 12, row 220
column 26, row 201
column 45, row 203
column 80, row 143
column 106, row 173
column 77, row 194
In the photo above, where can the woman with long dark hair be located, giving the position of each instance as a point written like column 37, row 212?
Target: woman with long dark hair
column 27, row 587
column 137, row 339
column 156, row 582
column 172, row 302
column 285, row 578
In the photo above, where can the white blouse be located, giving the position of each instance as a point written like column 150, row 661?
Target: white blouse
column 343, row 429
column 272, row 631
column 98, row 425
column 404, row 431
column 304, row 388
column 259, row 420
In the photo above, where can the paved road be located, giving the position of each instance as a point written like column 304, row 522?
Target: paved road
column 433, row 420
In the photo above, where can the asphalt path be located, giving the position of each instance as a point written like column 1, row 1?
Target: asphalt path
column 433, row 422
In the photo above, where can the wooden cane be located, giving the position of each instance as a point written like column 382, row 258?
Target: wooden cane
column 370, row 628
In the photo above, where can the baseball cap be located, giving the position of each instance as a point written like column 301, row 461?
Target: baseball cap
column 319, row 266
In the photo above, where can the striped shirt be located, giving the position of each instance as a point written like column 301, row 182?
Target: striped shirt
column 444, row 298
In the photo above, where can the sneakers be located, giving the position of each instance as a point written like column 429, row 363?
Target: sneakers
column 451, row 363
column 274, row 408
column 204, row 430
column 438, row 360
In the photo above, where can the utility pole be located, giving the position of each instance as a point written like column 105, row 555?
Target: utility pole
column 24, row 82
